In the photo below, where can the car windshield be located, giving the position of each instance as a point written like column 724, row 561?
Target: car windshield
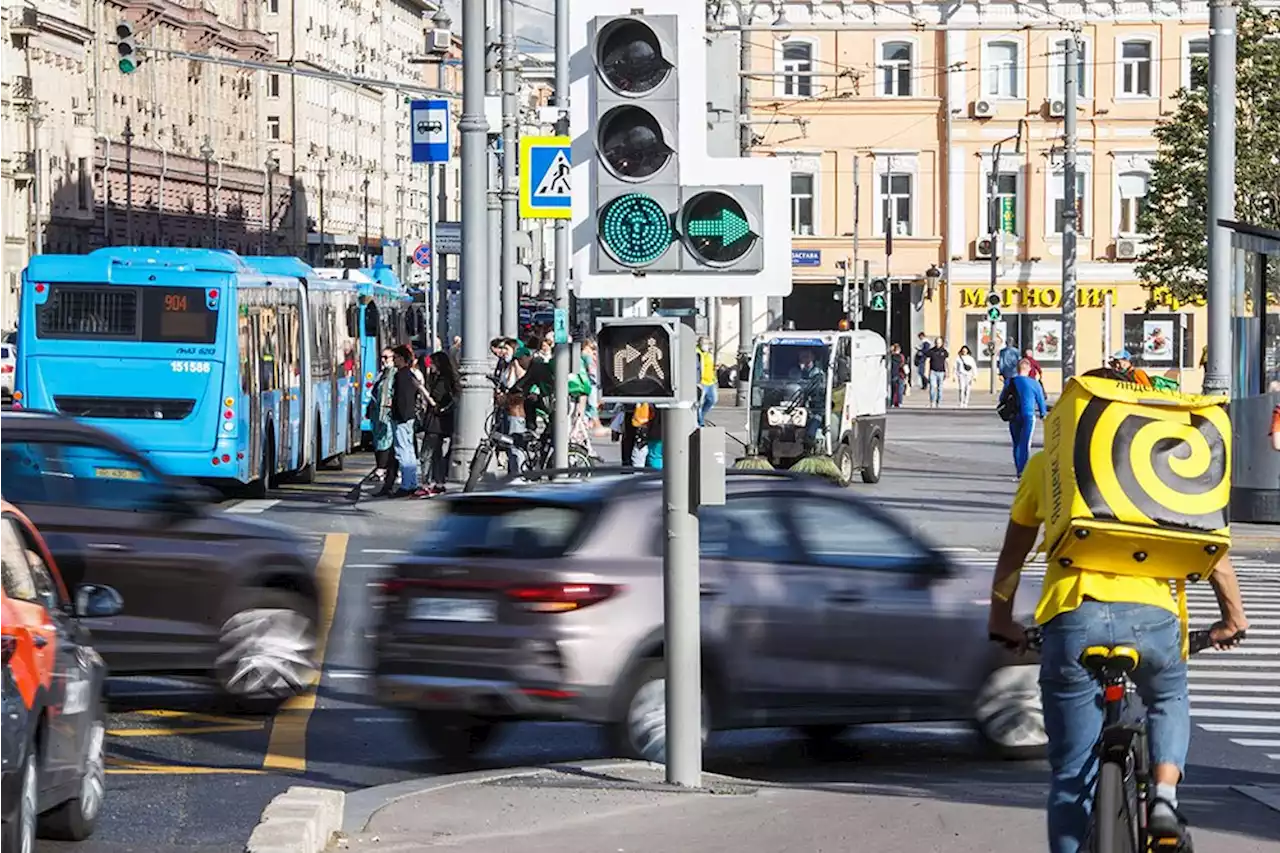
column 504, row 528
column 783, row 359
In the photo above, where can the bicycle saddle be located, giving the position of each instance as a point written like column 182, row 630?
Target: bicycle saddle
column 1110, row 660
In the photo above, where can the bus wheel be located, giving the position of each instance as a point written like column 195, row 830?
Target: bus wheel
column 257, row 489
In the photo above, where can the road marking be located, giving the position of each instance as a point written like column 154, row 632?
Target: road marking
column 254, row 506
column 384, row 565
column 381, row 719
column 1263, row 742
column 1232, row 728
column 356, row 675
column 383, row 551
column 1241, row 700
column 287, row 746
column 133, row 768
column 207, row 724
column 1232, row 714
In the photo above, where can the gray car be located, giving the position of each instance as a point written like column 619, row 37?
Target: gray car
column 819, row 611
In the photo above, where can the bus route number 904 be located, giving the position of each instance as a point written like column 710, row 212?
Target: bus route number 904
column 189, row 366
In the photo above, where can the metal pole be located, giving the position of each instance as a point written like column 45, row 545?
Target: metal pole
column 128, row 181
column 746, row 313
column 37, row 185
column 844, row 288
column 850, row 309
column 1106, row 326
column 1070, row 225
column 561, row 455
column 862, row 292
column 993, row 235
column 1222, row 189
column 324, row 251
column 510, row 220
column 493, row 92
column 890, row 226
column 269, row 243
column 430, row 289
column 682, row 620
column 475, row 398
column 364, row 229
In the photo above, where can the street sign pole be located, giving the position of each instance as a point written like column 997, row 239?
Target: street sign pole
column 560, row 451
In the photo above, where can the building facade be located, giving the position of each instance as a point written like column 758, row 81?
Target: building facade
column 894, row 118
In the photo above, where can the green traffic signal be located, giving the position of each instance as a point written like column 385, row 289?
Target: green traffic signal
column 993, row 314
column 127, row 65
column 877, row 302
column 635, row 229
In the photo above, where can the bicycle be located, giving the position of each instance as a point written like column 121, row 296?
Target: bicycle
column 538, row 452
column 1118, row 822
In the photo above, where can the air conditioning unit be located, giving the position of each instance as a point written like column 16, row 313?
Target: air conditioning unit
column 439, row 40
column 983, row 248
column 1057, row 108
column 983, row 109
column 1128, row 249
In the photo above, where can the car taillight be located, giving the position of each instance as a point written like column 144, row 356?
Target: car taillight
column 10, row 646
column 561, row 597
column 6, row 368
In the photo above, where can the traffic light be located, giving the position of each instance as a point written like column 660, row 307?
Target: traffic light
column 640, row 359
column 879, row 294
column 993, row 306
column 126, row 47
column 653, row 213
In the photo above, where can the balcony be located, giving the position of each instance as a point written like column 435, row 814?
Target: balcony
column 24, row 165
column 21, row 90
column 24, row 21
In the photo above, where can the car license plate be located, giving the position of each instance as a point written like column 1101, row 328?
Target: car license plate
column 451, row 609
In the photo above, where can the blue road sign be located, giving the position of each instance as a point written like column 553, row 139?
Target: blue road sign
column 422, row 255
column 806, row 257
column 429, row 124
column 544, row 177
column 561, row 325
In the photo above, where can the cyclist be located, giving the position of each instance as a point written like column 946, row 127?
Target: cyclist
column 1085, row 606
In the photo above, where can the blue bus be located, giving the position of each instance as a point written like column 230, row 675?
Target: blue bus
column 205, row 363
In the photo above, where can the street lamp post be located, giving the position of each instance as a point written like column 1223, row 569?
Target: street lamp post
column 323, row 249
column 364, row 229
column 206, row 151
column 128, row 181
column 273, row 164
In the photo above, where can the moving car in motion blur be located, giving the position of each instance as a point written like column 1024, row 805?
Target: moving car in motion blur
column 53, row 773
column 204, row 592
column 8, row 364
column 819, row 611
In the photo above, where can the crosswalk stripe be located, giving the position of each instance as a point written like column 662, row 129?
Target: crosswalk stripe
column 1234, row 713
column 1269, row 743
column 1240, row 729
column 1240, row 700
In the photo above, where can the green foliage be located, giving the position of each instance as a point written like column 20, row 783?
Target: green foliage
column 1177, row 255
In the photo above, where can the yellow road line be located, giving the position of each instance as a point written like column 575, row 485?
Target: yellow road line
column 196, row 717
column 193, row 730
column 287, row 747
column 131, row 768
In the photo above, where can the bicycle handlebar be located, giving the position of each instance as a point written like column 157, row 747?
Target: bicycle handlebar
column 1198, row 640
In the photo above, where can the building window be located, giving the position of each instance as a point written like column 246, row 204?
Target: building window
column 1059, row 204
column 1135, row 68
column 1160, row 341
column 895, row 204
column 1008, row 217
column 797, row 67
column 273, row 85
column 273, row 7
column 1196, row 65
column 1132, row 188
column 1058, row 71
column 273, row 127
column 895, row 69
column 801, row 203
column 1002, row 69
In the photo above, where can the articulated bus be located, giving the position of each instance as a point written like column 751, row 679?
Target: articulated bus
column 203, row 362
column 383, row 321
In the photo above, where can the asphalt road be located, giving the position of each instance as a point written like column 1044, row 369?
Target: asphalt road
column 186, row 777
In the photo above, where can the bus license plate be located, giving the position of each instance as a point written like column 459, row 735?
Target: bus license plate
column 452, row 610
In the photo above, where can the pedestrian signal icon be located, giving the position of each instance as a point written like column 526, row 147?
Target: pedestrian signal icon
column 640, row 360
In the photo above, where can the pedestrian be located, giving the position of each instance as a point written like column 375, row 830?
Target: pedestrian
column 1026, row 399
column 443, row 389
column 546, row 349
column 653, row 439
column 937, row 359
column 455, row 351
column 385, row 468
column 591, row 367
column 1036, row 373
column 406, row 391
column 1122, row 365
column 707, row 385
column 966, row 372
column 898, row 375
column 922, row 360
column 1007, row 362
column 641, row 416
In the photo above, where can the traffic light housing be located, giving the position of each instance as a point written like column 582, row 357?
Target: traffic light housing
column 126, row 48
column 878, row 296
column 641, row 359
column 993, row 306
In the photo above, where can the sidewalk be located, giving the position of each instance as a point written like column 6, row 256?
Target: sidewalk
column 603, row 807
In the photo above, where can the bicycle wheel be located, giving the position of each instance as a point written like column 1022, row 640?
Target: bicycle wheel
column 479, row 465
column 1114, row 812
column 579, row 457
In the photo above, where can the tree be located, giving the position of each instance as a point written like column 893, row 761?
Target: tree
column 1176, row 213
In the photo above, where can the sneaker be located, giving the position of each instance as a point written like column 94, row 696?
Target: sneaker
column 1167, row 829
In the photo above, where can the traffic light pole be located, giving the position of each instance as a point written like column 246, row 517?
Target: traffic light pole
column 1070, row 224
column 993, row 220
column 561, row 448
column 476, row 399
column 746, row 318
column 1222, row 189
column 510, row 295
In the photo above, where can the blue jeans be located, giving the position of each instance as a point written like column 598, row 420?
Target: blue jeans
column 406, row 455
column 936, row 378
column 1021, row 428
column 1073, row 708
column 709, row 396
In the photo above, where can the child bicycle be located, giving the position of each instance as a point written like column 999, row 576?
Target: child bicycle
column 1118, row 822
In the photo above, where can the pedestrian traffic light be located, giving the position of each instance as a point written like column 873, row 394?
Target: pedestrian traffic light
column 640, row 359
column 879, row 294
column 126, row 48
column 993, row 306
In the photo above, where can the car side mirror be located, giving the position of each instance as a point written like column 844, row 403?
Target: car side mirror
column 96, row 601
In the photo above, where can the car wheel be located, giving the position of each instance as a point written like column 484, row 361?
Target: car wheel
column 642, row 730
column 871, row 471
column 76, row 819
column 265, row 651
column 1009, row 714
column 844, row 461
column 455, row 738
column 20, row 833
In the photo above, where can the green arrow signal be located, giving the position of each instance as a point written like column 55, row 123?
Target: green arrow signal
column 728, row 226
column 993, row 314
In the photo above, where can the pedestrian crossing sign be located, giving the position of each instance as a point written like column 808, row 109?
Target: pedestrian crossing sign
column 544, row 177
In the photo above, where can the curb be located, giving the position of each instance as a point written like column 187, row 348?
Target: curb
column 362, row 805
column 301, row 820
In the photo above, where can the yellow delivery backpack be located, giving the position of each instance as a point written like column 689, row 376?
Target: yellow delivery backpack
column 1141, row 475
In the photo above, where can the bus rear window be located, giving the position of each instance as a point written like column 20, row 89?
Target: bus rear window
column 177, row 315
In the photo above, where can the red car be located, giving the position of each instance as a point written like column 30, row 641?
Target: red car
column 54, row 719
